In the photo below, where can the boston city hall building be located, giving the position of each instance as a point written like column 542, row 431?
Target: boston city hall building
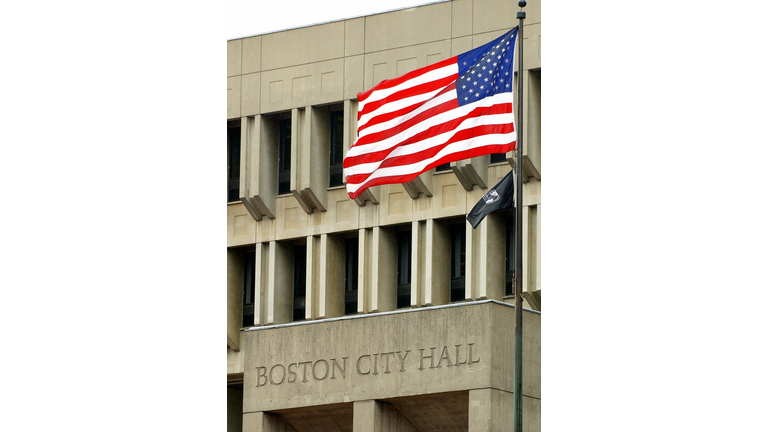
column 387, row 312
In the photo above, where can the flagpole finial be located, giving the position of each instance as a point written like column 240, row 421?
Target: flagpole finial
column 521, row 3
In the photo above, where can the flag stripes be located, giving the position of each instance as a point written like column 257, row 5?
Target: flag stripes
column 412, row 123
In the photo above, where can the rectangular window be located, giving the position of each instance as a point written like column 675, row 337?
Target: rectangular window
column 443, row 167
column 233, row 161
column 509, row 266
column 336, row 168
column 350, row 276
column 458, row 255
column 284, row 158
column 403, row 269
column 498, row 157
column 249, row 287
column 299, row 282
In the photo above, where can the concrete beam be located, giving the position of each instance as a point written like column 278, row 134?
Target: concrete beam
column 375, row 416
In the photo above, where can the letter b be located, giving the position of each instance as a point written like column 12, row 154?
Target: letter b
column 262, row 373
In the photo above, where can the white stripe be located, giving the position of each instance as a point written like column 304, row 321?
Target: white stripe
column 499, row 98
column 476, row 142
column 433, row 75
column 396, row 105
column 436, row 140
column 445, row 97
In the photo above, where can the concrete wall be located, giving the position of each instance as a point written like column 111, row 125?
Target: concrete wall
column 379, row 356
column 302, row 74
column 299, row 73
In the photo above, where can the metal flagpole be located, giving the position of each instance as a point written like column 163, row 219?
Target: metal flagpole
column 517, row 401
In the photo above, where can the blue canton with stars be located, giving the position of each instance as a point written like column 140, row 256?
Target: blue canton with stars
column 486, row 70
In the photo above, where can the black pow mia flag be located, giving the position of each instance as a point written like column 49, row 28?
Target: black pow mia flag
column 500, row 197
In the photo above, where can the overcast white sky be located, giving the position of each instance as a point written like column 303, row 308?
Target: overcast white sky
column 250, row 17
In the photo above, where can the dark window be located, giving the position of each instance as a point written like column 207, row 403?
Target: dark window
column 443, row 167
column 498, row 157
column 249, row 287
column 509, row 266
column 337, row 148
column 458, row 252
column 350, row 274
column 299, row 282
column 284, row 158
column 403, row 269
column 233, row 161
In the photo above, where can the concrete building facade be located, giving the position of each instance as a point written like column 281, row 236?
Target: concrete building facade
column 387, row 312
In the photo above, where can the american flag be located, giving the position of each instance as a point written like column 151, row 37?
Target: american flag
column 454, row 109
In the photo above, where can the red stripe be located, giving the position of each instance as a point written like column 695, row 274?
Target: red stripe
column 406, row 93
column 461, row 135
column 432, row 151
column 410, row 75
column 432, row 131
column 448, row 158
column 404, row 111
column 388, row 133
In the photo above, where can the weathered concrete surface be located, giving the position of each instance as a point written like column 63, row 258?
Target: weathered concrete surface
column 380, row 356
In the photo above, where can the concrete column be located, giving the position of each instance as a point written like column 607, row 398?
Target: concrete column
column 532, row 256
column 490, row 410
column 471, row 172
column 365, row 272
column 533, row 118
column 261, row 281
column 310, row 141
column 472, row 262
column 375, row 416
column 234, row 298
column 298, row 117
column 331, row 293
column 423, row 184
column 418, row 261
column 437, row 279
column 313, row 277
column 261, row 169
column 485, row 259
column 384, row 260
column 249, row 145
column 537, row 249
column 265, row 422
column 280, row 284
column 316, row 163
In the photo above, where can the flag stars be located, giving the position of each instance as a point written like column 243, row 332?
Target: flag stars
column 486, row 74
